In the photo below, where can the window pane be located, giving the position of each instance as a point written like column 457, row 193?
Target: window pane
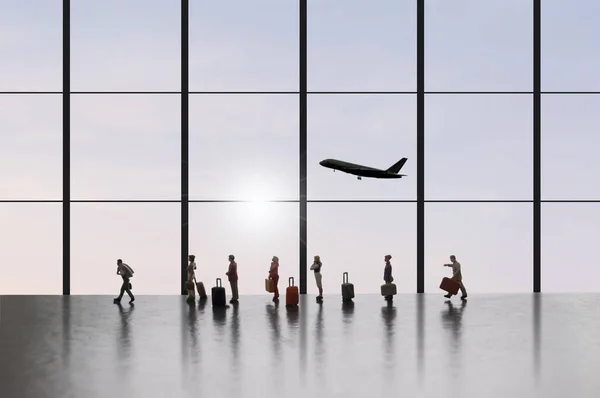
column 570, row 146
column 239, row 45
column 478, row 147
column 31, row 45
column 479, row 45
column 244, row 147
column 370, row 130
column 492, row 241
column 253, row 233
column 570, row 45
column 363, row 45
column 569, row 247
column 125, row 147
column 355, row 237
column 132, row 45
column 31, row 255
column 31, row 147
column 146, row 236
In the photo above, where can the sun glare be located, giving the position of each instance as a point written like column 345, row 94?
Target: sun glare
column 256, row 209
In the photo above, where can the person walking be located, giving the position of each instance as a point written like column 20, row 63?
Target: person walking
column 233, row 279
column 191, row 276
column 457, row 276
column 126, row 273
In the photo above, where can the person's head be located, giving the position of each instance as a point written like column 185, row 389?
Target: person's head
column 119, row 262
column 275, row 259
column 388, row 257
column 317, row 259
column 231, row 257
column 453, row 258
column 191, row 257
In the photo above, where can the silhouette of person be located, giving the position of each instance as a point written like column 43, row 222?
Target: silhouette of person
column 191, row 275
column 274, row 276
column 387, row 273
column 126, row 273
column 457, row 276
column 316, row 267
column 233, row 279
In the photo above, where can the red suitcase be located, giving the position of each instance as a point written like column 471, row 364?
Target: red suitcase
column 450, row 285
column 291, row 293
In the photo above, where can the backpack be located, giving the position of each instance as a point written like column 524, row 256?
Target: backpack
column 129, row 270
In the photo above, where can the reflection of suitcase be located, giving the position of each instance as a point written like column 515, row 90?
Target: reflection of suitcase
column 388, row 289
column 201, row 289
column 218, row 295
column 450, row 285
column 347, row 288
column 269, row 286
column 291, row 293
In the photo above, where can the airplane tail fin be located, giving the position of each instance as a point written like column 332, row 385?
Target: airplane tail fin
column 397, row 166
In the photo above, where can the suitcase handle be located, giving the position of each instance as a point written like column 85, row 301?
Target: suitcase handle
column 291, row 281
column 345, row 277
column 219, row 282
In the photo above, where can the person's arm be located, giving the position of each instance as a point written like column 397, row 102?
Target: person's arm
column 312, row 267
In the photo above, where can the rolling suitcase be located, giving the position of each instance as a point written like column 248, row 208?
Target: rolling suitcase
column 269, row 286
column 347, row 288
column 218, row 295
column 450, row 285
column 388, row 289
column 201, row 289
column 291, row 293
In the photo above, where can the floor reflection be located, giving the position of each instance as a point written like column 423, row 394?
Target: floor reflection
column 492, row 346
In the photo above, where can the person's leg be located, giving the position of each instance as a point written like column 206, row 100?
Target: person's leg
column 463, row 290
column 275, row 287
column 126, row 283
column 124, row 286
column 319, row 279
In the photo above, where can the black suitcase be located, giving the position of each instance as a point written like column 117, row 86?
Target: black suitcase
column 347, row 288
column 218, row 295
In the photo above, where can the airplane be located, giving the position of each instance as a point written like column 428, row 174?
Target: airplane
column 364, row 171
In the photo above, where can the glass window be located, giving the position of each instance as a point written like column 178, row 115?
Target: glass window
column 125, row 147
column 570, row 144
column 31, row 147
column 478, row 45
column 570, row 46
column 31, row 259
column 369, row 130
column 244, row 147
column 31, row 45
column 239, row 45
column 355, row 237
column 478, row 147
column 362, row 45
column 132, row 45
column 569, row 238
column 253, row 233
column 492, row 241
column 146, row 236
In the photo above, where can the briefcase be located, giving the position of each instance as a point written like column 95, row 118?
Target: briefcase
column 388, row 289
column 269, row 286
column 450, row 285
column 291, row 293
column 347, row 288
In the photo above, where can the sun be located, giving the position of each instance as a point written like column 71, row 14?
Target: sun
column 256, row 210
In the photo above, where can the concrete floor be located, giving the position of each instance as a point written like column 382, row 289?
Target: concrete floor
column 420, row 346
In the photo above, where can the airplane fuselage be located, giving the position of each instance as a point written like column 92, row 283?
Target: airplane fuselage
column 357, row 169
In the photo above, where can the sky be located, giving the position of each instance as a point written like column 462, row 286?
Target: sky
column 245, row 146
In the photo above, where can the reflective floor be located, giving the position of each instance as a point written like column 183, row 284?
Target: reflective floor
column 419, row 346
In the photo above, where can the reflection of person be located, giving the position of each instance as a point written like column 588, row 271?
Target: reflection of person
column 318, row 278
column 457, row 276
column 387, row 273
column 274, row 276
column 191, row 275
column 233, row 278
column 126, row 273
